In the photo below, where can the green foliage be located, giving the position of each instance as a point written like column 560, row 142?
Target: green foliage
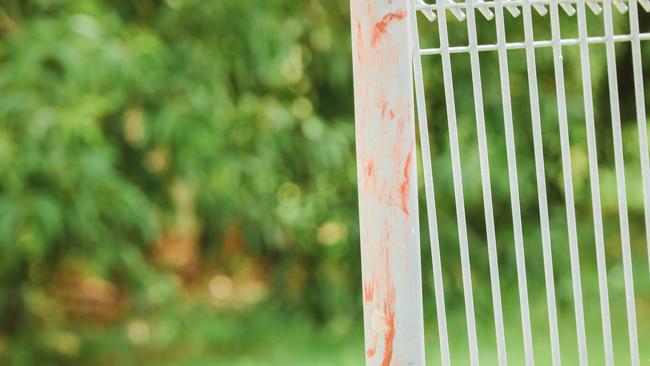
column 121, row 122
column 62, row 193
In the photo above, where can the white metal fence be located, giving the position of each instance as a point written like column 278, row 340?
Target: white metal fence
column 466, row 11
column 495, row 10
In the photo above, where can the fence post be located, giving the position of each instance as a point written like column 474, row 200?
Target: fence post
column 386, row 172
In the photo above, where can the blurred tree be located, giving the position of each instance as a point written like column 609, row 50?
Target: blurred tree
column 125, row 122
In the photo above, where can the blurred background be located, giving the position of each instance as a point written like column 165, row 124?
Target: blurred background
column 178, row 186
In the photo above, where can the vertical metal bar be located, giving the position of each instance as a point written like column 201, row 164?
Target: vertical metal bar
column 385, row 137
column 485, row 183
column 595, row 184
column 458, row 183
column 620, row 5
column 641, row 114
column 430, row 195
column 620, row 182
column 568, row 182
column 541, row 182
column 513, row 180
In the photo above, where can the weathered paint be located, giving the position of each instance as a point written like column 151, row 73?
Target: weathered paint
column 385, row 136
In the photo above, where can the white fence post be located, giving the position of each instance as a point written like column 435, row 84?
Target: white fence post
column 386, row 171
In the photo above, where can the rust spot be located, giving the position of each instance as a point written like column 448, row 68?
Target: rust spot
column 381, row 27
column 404, row 187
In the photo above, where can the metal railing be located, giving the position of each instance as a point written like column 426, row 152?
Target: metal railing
column 494, row 10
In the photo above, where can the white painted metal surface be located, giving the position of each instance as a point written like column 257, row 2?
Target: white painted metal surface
column 594, row 180
column 386, row 163
column 386, row 41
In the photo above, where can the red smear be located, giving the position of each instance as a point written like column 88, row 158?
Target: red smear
column 381, row 26
column 401, row 123
column 389, row 336
column 368, row 292
column 371, row 178
column 404, row 187
column 370, row 169
column 369, row 289
column 383, row 105
column 359, row 42
column 370, row 352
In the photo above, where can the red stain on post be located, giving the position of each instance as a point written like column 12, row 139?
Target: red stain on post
column 368, row 292
column 370, row 169
column 389, row 335
column 371, row 175
column 359, row 40
column 372, row 350
column 381, row 27
column 385, row 138
column 370, row 353
column 404, row 187
column 383, row 105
